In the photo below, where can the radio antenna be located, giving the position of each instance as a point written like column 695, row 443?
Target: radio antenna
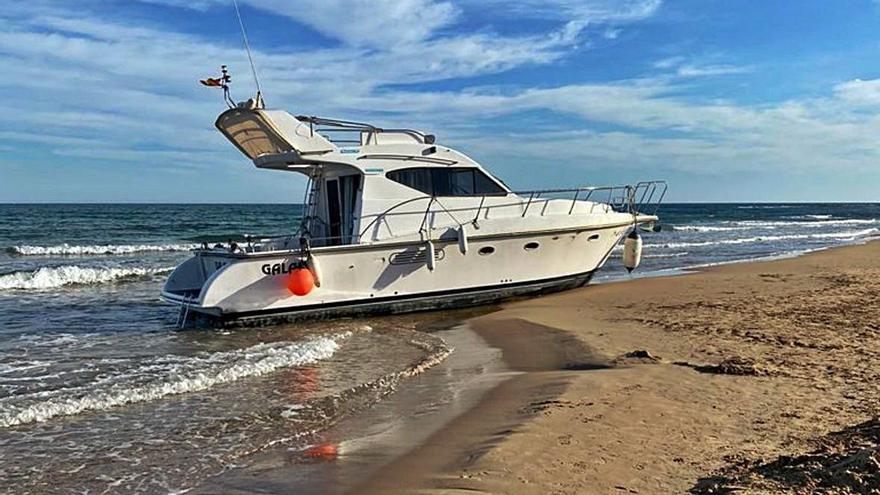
column 247, row 48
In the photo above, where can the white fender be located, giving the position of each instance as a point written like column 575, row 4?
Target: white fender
column 430, row 252
column 462, row 240
column 632, row 251
column 315, row 268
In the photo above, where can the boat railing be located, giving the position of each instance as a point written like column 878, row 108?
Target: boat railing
column 643, row 197
column 350, row 133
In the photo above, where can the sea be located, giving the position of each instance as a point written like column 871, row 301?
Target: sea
column 102, row 392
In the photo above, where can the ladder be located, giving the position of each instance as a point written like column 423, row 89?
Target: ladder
column 311, row 205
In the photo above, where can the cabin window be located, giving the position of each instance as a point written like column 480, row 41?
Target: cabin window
column 450, row 181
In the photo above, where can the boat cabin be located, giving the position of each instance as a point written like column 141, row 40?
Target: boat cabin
column 366, row 184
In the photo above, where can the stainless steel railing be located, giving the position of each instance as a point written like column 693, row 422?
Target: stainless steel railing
column 350, row 133
column 644, row 197
column 641, row 198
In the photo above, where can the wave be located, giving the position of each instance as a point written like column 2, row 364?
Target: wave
column 707, row 228
column 809, row 224
column 764, row 207
column 666, row 255
column 851, row 235
column 76, row 250
column 19, row 366
column 52, row 277
column 223, row 238
column 172, row 375
column 731, row 226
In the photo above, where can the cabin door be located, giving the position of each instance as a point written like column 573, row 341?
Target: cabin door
column 342, row 196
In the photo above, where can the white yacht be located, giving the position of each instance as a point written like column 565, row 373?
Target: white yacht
column 396, row 222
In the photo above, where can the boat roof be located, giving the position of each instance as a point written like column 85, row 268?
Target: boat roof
column 275, row 139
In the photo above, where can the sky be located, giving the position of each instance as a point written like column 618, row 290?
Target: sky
column 727, row 100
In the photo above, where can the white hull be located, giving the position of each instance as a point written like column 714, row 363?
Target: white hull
column 392, row 277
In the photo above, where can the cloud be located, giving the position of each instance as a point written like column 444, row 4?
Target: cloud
column 669, row 62
column 586, row 11
column 378, row 24
column 611, row 33
column 859, row 93
column 682, row 68
column 710, row 70
column 660, row 127
column 135, row 83
column 91, row 87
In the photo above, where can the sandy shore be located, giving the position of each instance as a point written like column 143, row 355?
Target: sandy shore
column 746, row 378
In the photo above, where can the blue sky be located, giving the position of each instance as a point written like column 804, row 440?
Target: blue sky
column 727, row 100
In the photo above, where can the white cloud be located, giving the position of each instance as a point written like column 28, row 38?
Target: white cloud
column 669, row 62
column 101, row 89
column 89, row 86
column 586, row 11
column 682, row 68
column 710, row 70
column 611, row 33
column 859, row 93
column 375, row 23
column 660, row 128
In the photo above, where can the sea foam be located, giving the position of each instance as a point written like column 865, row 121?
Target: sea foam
column 77, row 250
column 707, row 228
column 51, row 277
column 848, row 236
column 806, row 223
column 730, row 226
column 188, row 374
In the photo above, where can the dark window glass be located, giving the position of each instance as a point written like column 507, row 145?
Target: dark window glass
column 446, row 181
column 484, row 184
column 333, row 212
column 416, row 178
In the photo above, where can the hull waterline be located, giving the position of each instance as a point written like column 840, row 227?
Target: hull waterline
column 432, row 301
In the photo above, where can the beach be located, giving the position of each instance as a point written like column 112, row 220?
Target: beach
column 749, row 378
column 259, row 247
column 627, row 384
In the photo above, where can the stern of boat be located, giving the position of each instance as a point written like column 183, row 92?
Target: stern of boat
column 185, row 284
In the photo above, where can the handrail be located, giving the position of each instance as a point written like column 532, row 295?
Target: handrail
column 645, row 191
column 337, row 125
column 641, row 198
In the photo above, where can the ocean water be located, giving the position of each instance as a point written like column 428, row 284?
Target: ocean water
column 99, row 391
column 700, row 235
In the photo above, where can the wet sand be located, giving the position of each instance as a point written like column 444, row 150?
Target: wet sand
column 337, row 459
column 747, row 378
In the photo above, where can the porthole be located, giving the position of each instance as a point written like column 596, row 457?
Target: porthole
column 531, row 246
column 486, row 250
column 594, row 237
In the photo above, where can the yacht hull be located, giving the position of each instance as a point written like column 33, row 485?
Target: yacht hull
column 433, row 301
column 391, row 278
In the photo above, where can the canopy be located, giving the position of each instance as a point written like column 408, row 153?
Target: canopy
column 260, row 132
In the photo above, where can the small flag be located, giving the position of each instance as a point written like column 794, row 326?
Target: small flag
column 212, row 82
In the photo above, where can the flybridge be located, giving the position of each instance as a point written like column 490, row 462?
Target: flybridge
column 348, row 133
column 258, row 132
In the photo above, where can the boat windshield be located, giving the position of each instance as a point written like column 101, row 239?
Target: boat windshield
column 451, row 181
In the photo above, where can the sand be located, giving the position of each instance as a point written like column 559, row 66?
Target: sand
column 744, row 378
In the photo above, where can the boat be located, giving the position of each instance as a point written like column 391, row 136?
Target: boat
column 396, row 222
